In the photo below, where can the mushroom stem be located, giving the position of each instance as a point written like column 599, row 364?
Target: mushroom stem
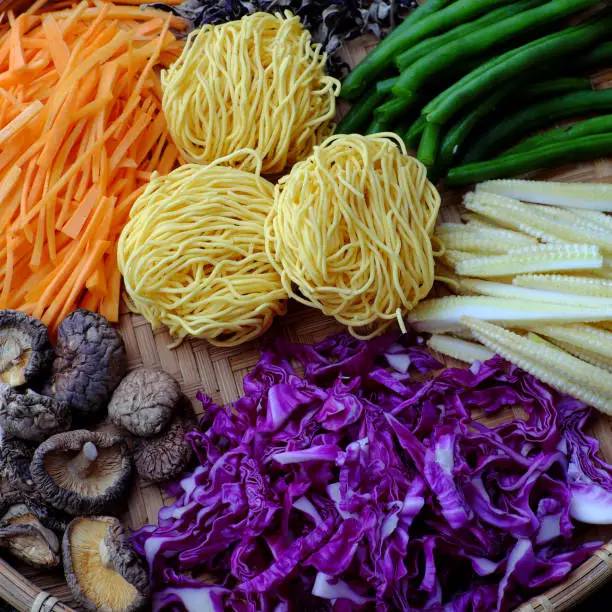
column 81, row 464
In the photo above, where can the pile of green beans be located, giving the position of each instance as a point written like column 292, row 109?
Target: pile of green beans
column 465, row 81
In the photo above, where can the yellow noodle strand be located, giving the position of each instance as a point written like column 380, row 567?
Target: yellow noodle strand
column 351, row 228
column 193, row 255
column 256, row 83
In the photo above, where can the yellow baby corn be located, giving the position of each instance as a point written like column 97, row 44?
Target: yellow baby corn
column 444, row 314
column 577, row 285
column 574, row 195
column 539, row 258
column 469, row 352
column 555, row 367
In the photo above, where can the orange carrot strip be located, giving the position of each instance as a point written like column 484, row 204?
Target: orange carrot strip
column 123, row 210
column 154, row 131
column 57, row 130
column 90, row 302
column 109, row 306
column 96, row 283
column 10, row 98
column 8, row 275
column 104, row 227
column 169, row 159
column 17, row 59
column 60, row 53
column 66, row 304
column 20, row 121
column 76, row 222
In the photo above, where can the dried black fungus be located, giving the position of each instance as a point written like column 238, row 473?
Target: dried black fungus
column 90, row 362
column 166, row 455
column 82, row 472
column 31, row 416
column 25, row 351
column 102, row 568
column 145, row 401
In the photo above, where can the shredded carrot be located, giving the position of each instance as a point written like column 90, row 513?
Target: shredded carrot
column 8, row 275
column 90, row 301
column 81, row 130
column 96, row 283
column 13, row 128
column 60, row 54
column 76, row 222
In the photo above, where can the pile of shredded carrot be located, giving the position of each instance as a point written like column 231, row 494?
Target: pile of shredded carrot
column 81, row 131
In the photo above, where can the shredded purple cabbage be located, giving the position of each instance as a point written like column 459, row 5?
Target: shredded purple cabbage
column 331, row 23
column 366, row 485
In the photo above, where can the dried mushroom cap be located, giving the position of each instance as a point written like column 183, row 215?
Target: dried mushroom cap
column 25, row 351
column 26, row 538
column 48, row 516
column 15, row 458
column 166, row 455
column 82, row 472
column 90, row 362
column 145, row 401
column 102, row 568
column 31, row 416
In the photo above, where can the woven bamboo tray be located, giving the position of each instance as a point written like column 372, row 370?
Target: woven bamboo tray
column 219, row 373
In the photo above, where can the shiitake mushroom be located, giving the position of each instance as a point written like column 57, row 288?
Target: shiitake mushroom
column 25, row 351
column 82, row 472
column 102, row 569
column 145, row 402
column 89, row 364
column 31, row 416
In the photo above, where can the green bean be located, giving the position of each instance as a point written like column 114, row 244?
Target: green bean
column 389, row 110
column 513, row 63
column 413, row 78
column 537, row 116
column 439, row 19
column 430, row 142
column 376, row 127
column 362, row 111
column 598, row 57
column 413, row 134
column 428, row 45
column 556, row 86
column 588, row 127
column 550, row 156
column 452, row 143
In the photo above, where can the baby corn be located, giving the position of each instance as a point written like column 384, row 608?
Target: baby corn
column 577, row 285
column 462, row 350
column 590, row 196
column 591, row 339
column 539, row 258
column 543, row 222
column 504, row 290
column 562, row 371
column 444, row 314
column 596, row 360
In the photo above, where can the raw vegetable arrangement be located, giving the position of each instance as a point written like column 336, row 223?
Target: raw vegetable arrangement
column 73, row 429
column 540, row 268
column 81, row 130
column 463, row 82
column 190, row 150
column 360, row 486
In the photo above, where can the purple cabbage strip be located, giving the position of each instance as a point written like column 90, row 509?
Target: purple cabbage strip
column 367, row 485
